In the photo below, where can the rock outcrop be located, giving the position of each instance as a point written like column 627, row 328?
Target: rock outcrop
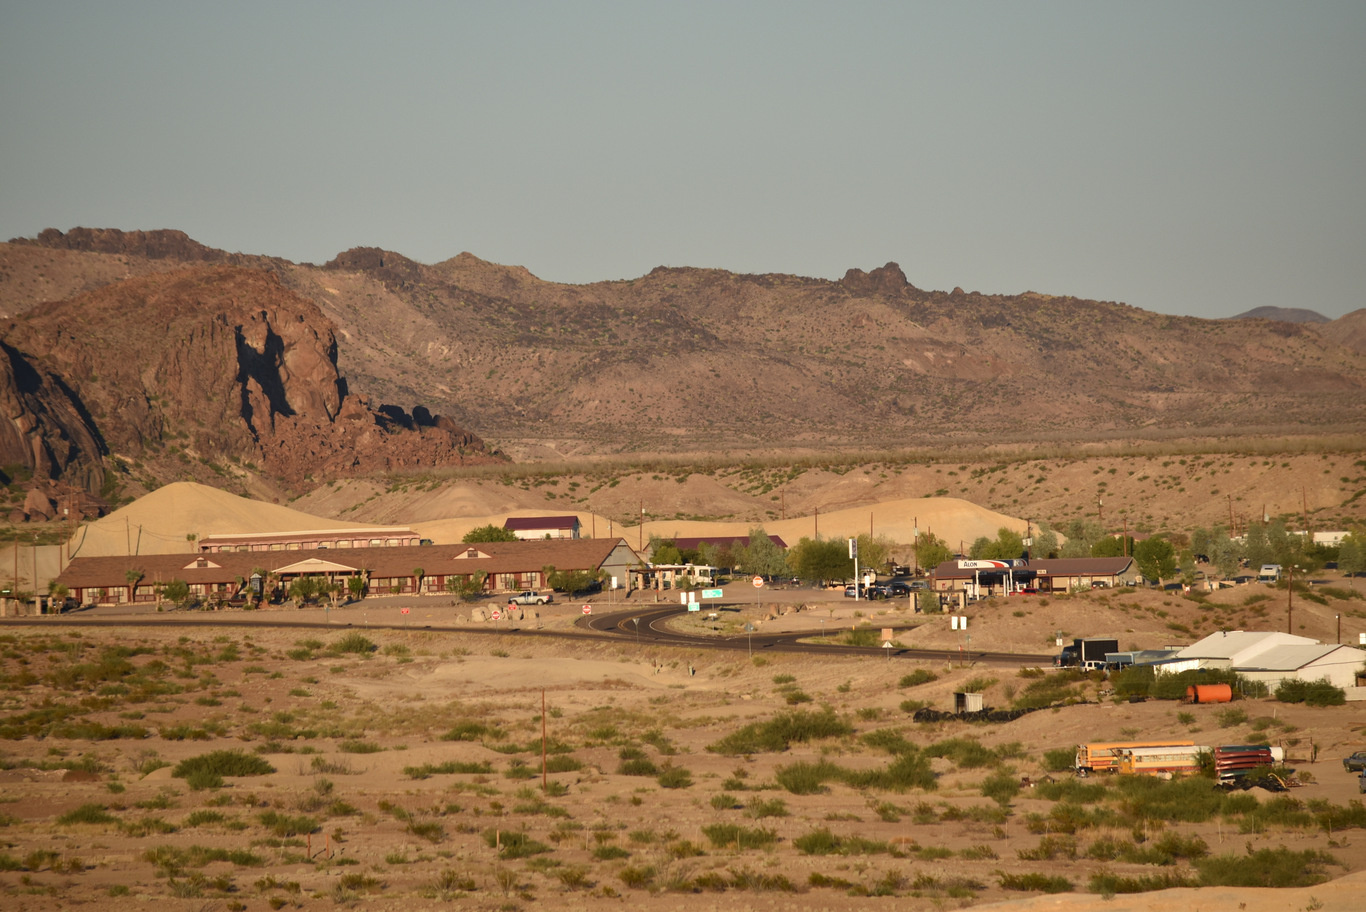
column 209, row 366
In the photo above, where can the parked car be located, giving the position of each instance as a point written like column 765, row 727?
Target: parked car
column 530, row 598
column 898, row 589
column 1355, row 763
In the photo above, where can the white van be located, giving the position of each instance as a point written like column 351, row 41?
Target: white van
column 1269, row 573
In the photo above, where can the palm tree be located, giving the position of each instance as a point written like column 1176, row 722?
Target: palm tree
column 418, row 573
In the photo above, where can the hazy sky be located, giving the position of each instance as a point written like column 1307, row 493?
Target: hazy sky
column 1189, row 157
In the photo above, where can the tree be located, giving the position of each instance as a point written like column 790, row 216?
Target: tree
column 466, row 588
column 1223, row 552
column 1113, row 546
column 1156, row 559
column 708, row 554
column 1082, row 534
column 134, row 577
column 489, row 533
column 418, row 574
column 306, row 589
column 819, row 560
column 873, row 551
column 664, row 551
column 762, row 556
column 1007, row 545
column 177, row 592
column 570, row 581
column 1045, row 544
column 1352, row 555
column 355, row 585
column 931, row 551
column 1256, row 546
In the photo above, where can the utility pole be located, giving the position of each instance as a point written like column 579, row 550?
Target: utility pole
column 1289, row 597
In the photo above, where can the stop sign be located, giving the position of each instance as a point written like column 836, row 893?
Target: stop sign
column 587, row 609
column 758, row 582
column 405, row 610
column 495, row 615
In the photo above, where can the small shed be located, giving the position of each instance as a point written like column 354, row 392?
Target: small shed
column 967, row 702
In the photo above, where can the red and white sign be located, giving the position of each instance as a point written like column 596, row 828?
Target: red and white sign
column 405, row 610
column 587, row 609
column 758, row 582
column 495, row 615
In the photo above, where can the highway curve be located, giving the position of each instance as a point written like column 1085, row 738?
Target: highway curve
column 651, row 626
column 643, row 625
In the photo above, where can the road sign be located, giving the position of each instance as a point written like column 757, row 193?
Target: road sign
column 758, row 582
column 694, row 606
column 495, row 615
column 712, row 593
column 587, row 609
column 405, row 610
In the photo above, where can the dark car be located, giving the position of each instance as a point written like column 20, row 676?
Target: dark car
column 898, row 589
column 1355, row 763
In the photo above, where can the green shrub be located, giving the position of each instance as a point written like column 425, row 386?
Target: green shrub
column 917, row 677
column 889, row 740
column 807, row 778
column 674, row 777
column 1278, row 867
column 1059, row 759
column 1108, row 884
column 87, row 813
column 730, row 835
column 823, row 842
column 449, row 767
column 776, row 807
column 967, row 753
column 1311, row 693
column 780, row 732
column 514, row 844
column 1036, row 883
column 224, row 763
column 353, row 644
column 1001, row 787
column 285, row 825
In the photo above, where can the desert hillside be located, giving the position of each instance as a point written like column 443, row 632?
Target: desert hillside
column 679, row 361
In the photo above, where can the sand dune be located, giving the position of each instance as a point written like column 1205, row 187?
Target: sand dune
column 162, row 522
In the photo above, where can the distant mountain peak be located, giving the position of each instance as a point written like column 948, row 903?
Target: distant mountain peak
column 1283, row 314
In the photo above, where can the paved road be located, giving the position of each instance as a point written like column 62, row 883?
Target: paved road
column 645, row 624
column 650, row 625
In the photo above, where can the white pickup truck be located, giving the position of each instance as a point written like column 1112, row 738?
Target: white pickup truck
column 530, row 598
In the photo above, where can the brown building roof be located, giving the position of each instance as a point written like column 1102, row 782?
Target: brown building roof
column 532, row 523
column 380, row 563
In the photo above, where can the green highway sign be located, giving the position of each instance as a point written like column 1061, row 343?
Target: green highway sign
column 711, row 593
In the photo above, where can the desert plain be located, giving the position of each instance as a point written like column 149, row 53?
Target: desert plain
column 421, row 760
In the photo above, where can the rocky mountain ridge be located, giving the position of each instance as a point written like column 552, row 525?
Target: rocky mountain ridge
column 208, row 372
column 702, row 360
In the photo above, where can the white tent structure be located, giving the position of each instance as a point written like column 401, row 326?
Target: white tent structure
column 1273, row 657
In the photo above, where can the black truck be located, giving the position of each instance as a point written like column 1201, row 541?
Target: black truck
column 1087, row 653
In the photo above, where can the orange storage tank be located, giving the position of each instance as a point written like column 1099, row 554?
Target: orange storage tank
column 1209, row 693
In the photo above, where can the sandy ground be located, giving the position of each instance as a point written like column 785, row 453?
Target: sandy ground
column 343, row 732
